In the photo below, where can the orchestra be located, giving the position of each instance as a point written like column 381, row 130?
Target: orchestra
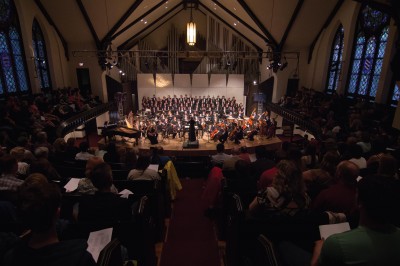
column 218, row 118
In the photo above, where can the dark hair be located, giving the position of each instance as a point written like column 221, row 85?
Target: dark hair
column 38, row 204
column 379, row 195
column 101, row 176
column 220, row 147
column 84, row 146
column 142, row 162
column 7, row 163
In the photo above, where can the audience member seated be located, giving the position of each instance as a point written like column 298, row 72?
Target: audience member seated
column 83, row 154
column 219, row 158
column 41, row 141
column 104, row 205
column 264, row 162
column 322, row 177
column 356, row 156
column 376, row 240
column 39, row 208
column 43, row 166
column 71, row 150
column 244, row 154
column 111, row 156
column 85, row 185
column 286, row 195
column 158, row 158
column 341, row 196
column 23, row 168
column 60, row 155
column 142, row 172
column 8, row 178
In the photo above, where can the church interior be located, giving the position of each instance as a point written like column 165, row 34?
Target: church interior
column 199, row 132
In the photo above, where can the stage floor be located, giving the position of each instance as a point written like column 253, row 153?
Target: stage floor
column 174, row 147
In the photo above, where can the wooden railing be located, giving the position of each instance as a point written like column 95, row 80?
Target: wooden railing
column 72, row 123
column 297, row 119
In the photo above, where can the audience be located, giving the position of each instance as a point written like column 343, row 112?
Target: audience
column 39, row 208
column 219, row 158
column 84, row 152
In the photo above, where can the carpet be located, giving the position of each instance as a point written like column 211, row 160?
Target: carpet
column 191, row 238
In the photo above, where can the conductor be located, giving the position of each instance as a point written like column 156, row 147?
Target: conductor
column 192, row 131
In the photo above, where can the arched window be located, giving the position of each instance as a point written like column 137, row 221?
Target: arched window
column 13, row 66
column 335, row 61
column 368, row 52
column 41, row 62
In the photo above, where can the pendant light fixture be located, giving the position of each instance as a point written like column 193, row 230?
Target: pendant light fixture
column 191, row 30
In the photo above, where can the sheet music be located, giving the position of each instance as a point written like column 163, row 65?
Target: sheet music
column 327, row 230
column 125, row 193
column 153, row 167
column 72, row 184
column 253, row 157
column 97, row 241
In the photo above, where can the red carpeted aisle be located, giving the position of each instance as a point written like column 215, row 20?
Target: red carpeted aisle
column 191, row 238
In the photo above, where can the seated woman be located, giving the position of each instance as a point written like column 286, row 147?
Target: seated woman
column 287, row 193
column 104, row 205
column 142, row 172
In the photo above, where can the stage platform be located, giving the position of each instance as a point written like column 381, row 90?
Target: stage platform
column 175, row 147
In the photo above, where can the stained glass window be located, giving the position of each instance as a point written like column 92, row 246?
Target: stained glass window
column 41, row 62
column 367, row 58
column 335, row 61
column 13, row 75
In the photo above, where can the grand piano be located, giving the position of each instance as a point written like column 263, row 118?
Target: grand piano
column 114, row 130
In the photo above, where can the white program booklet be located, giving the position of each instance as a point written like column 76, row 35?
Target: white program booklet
column 327, row 230
column 154, row 167
column 125, row 193
column 97, row 241
column 72, row 184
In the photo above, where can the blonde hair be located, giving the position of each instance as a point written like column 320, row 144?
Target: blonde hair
column 288, row 179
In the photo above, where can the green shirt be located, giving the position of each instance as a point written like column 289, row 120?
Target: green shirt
column 362, row 246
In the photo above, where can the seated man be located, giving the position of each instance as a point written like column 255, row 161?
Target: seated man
column 219, row 158
column 376, row 240
column 39, row 209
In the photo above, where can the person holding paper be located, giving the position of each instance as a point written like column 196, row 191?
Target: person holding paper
column 39, row 209
column 142, row 171
column 376, row 240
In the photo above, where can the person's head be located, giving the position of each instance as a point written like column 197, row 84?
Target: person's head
column 112, row 147
column 143, row 162
column 243, row 149
column 59, row 145
column 288, row 179
column 378, row 198
column 41, row 137
column 347, row 173
column 387, row 165
column 101, row 177
column 355, row 151
column 329, row 162
column 260, row 152
column 41, row 152
column 84, row 146
column 220, row 147
column 91, row 163
column 35, row 178
column 131, row 157
column 8, row 164
column 70, row 142
column 38, row 206
column 18, row 153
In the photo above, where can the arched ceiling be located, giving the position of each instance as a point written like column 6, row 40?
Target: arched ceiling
column 284, row 24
